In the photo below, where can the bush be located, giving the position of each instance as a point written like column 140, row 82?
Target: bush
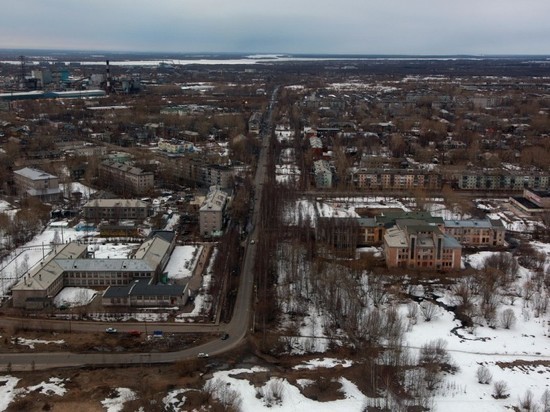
column 507, row 318
column 526, row 403
column 434, row 352
column 500, row 390
column 483, row 375
column 428, row 310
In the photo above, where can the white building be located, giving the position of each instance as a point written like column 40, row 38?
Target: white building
column 212, row 211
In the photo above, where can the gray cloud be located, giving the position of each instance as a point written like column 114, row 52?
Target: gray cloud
column 294, row 26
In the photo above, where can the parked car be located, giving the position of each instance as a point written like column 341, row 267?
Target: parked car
column 110, row 330
column 225, row 336
column 134, row 333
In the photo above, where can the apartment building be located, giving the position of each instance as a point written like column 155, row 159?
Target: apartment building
column 502, row 180
column 204, row 173
column 212, row 212
column 115, row 209
column 395, row 179
column 37, row 183
column 126, row 178
column 322, row 174
column 174, row 146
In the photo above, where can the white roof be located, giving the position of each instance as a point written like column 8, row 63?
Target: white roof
column 34, row 174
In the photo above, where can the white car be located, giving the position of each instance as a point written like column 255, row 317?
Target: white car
column 110, row 330
column 203, row 355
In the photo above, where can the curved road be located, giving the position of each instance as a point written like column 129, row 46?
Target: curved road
column 237, row 328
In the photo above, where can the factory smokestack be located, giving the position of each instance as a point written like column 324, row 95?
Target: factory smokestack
column 108, row 84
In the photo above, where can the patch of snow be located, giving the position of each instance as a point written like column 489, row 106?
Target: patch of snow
column 183, row 261
column 174, row 400
column 324, row 363
column 31, row 342
column 55, row 386
column 74, row 297
column 7, row 390
column 116, row 404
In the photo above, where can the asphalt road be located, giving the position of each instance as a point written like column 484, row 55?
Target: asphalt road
column 237, row 328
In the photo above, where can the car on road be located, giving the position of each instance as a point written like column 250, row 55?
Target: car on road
column 225, row 336
column 203, row 355
column 110, row 330
column 252, row 241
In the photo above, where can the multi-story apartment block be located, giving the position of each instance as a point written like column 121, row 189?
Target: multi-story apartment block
column 502, row 180
column 127, row 178
column 175, row 146
column 212, row 212
column 115, row 209
column 36, row 183
column 395, row 179
column 204, row 173
column 414, row 243
column 322, row 174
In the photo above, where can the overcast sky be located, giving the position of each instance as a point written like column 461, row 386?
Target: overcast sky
column 280, row 26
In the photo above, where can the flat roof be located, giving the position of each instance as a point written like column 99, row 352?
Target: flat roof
column 395, row 237
column 34, row 174
column 116, row 203
column 480, row 223
column 105, row 265
column 526, row 203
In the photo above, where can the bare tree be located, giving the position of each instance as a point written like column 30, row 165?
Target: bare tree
column 545, row 400
column 428, row 310
column 527, row 402
column 484, row 375
column 501, row 390
column 507, row 318
column 463, row 297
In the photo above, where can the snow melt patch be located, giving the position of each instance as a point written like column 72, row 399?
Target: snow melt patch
column 54, row 386
column 324, row 363
column 7, row 391
column 31, row 342
column 116, row 404
column 174, row 400
column 288, row 396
